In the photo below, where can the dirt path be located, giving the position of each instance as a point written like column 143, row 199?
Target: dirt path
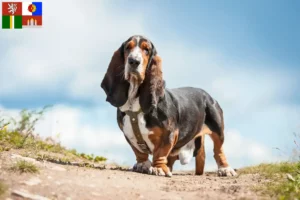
column 56, row 181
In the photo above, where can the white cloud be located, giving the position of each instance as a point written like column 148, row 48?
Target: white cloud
column 242, row 150
column 76, row 131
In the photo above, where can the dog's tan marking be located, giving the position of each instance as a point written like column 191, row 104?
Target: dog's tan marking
column 163, row 142
column 218, row 150
column 200, row 158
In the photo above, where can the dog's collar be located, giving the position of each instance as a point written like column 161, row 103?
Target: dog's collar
column 130, row 113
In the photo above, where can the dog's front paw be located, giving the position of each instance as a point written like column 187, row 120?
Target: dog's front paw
column 226, row 171
column 161, row 171
column 143, row 167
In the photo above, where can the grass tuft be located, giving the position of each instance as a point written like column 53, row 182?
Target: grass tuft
column 272, row 169
column 23, row 166
column 287, row 189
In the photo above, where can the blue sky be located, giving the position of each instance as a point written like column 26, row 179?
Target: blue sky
column 244, row 53
column 248, row 26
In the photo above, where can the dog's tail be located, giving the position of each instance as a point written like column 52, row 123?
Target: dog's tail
column 214, row 117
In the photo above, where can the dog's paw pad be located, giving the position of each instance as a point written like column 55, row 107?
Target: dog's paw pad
column 226, row 171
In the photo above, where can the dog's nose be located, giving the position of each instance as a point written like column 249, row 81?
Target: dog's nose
column 134, row 62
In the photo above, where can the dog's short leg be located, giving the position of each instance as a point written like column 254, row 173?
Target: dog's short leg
column 160, row 161
column 200, row 157
column 219, row 155
column 171, row 161
column 215, row 123
column 143, row 165
column 163, row 143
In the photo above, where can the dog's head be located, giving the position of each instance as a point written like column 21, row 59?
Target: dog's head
column 138, row 53
column 134, row 65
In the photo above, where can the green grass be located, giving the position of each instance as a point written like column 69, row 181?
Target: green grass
column 23, row 166
column 286, row 189
column 283, row 178
column 278, row 186
column 269, row 170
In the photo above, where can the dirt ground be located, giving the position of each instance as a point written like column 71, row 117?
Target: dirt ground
column 56, row 181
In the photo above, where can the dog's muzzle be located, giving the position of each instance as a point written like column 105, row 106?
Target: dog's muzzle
column 134, row 63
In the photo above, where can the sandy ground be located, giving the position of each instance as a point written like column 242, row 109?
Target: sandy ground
column 56, row 181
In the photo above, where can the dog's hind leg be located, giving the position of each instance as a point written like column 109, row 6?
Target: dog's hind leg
column 200, row 155
column 215, row 122
column 223, row 167
column 171, row 161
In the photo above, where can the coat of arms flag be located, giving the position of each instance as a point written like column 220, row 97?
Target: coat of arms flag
column 18, row 15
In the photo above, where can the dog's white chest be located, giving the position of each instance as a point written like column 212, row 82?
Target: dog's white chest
column 127, row 127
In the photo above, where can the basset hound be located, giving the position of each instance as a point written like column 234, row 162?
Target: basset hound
column 170, row 124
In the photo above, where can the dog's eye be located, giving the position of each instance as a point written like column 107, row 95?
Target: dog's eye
column 146, row 51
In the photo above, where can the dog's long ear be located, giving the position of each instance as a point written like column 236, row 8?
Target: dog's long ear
column 153, row 85
column 113, row 83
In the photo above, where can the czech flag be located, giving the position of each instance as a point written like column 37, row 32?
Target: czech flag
column 32, row 8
